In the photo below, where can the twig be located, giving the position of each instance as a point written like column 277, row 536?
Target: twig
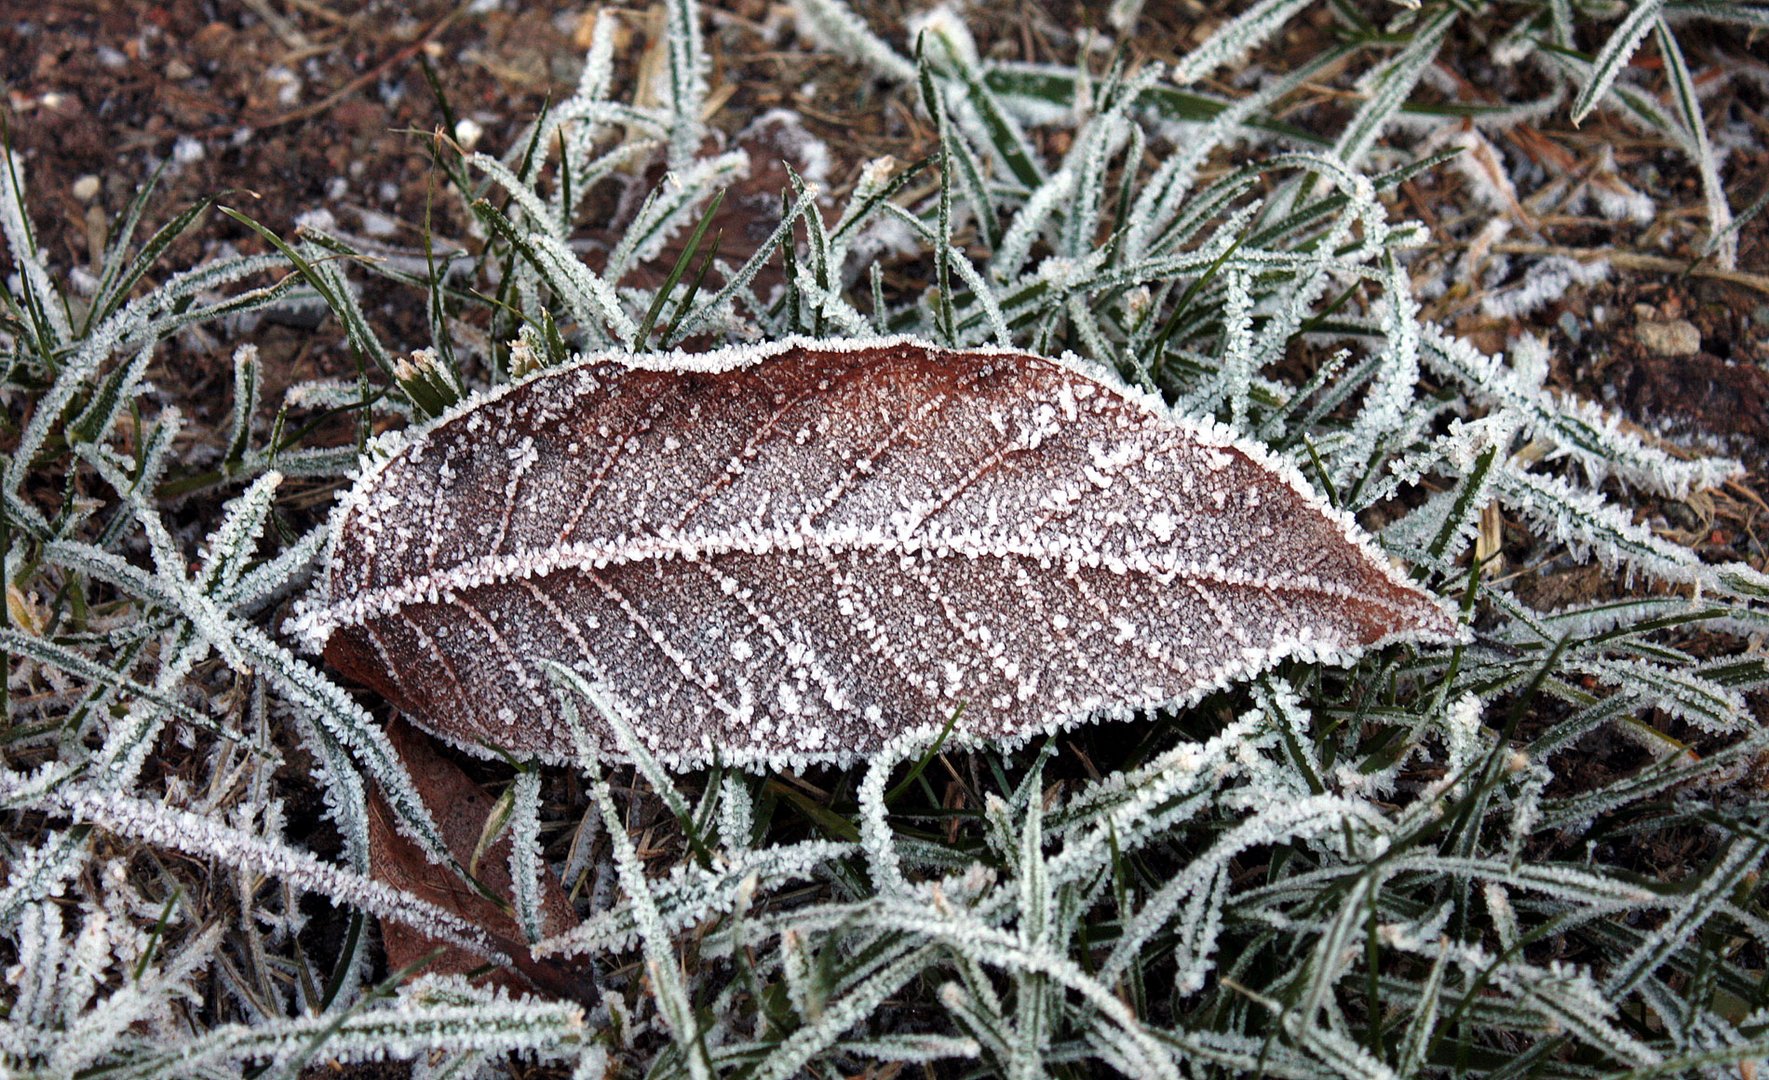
column 1633, row 260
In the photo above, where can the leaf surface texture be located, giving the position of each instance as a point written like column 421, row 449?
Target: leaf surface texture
column 796, row 553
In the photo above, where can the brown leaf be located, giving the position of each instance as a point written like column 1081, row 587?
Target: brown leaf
column 794, row 553
column 460, row 808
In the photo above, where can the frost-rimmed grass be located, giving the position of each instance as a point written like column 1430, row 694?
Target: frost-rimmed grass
column 1387, row 869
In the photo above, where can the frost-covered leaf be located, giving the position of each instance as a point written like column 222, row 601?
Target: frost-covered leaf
column 798, row 552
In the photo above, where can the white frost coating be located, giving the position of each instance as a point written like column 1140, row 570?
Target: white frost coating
column 838, row 542
column 193, row 834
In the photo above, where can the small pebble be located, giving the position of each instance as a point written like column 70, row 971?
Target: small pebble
column 86, row 188
column 1569, row 325
column 177, row 70
column 1679, row 337
column 467, row 132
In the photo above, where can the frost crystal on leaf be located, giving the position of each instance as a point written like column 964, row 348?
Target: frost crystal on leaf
column 796, row 553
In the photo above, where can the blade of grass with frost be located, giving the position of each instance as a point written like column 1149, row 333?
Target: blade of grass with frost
column 1737, row 14
column 956, row 150
column 1590, row 524
column 834, row 25
column 1161, row 197
column 1682, row 694
column 1393, row 84
column 116, row 281
column 1301, row 821
column 1035, row 911
column 697, row 894
column 1695, row 132
column 673, row 1002
column 407, row 1028
column 593, row 303
column 1388, row 417
column 1235, row 39
column 876, row 186
column 737, row 284
column 616, row 714
column 116, row 250
column 584, row 170
column 597, row 78
column 45, row 651
column 42, row 301
column 128, row 743
column 535, row 213
column 997, row 948
column 686, row 96
column 115, row 392
column 1072, row 194
column 944, row 321
column 1743, row 218
column 642, row 337
column 184, row 831
column 877, row 838
column 1461, row 519
column 1592, row 435
column 995, row 129
column 1211, row 206
column 1643, row 110
column 1236, row 360
column 806, row 989
column 824, row 281
column 1045, row 94
column 670, row 205
column 1279, row 701
column 1029, row 223
column 526, row 865
column 1743, row 857
column 793, row 1054
column 246, row 378
column 1131, row 807
column 326, row 279
column 912, row 1049
column 1105, row 133
column 977, row 1008
column 142, row 321
column 1594, row 624
column 128, row 739
column 1613, row 57
column 344, row 795
column 244, row 646
column 1560, row 14
column 1663, row 775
